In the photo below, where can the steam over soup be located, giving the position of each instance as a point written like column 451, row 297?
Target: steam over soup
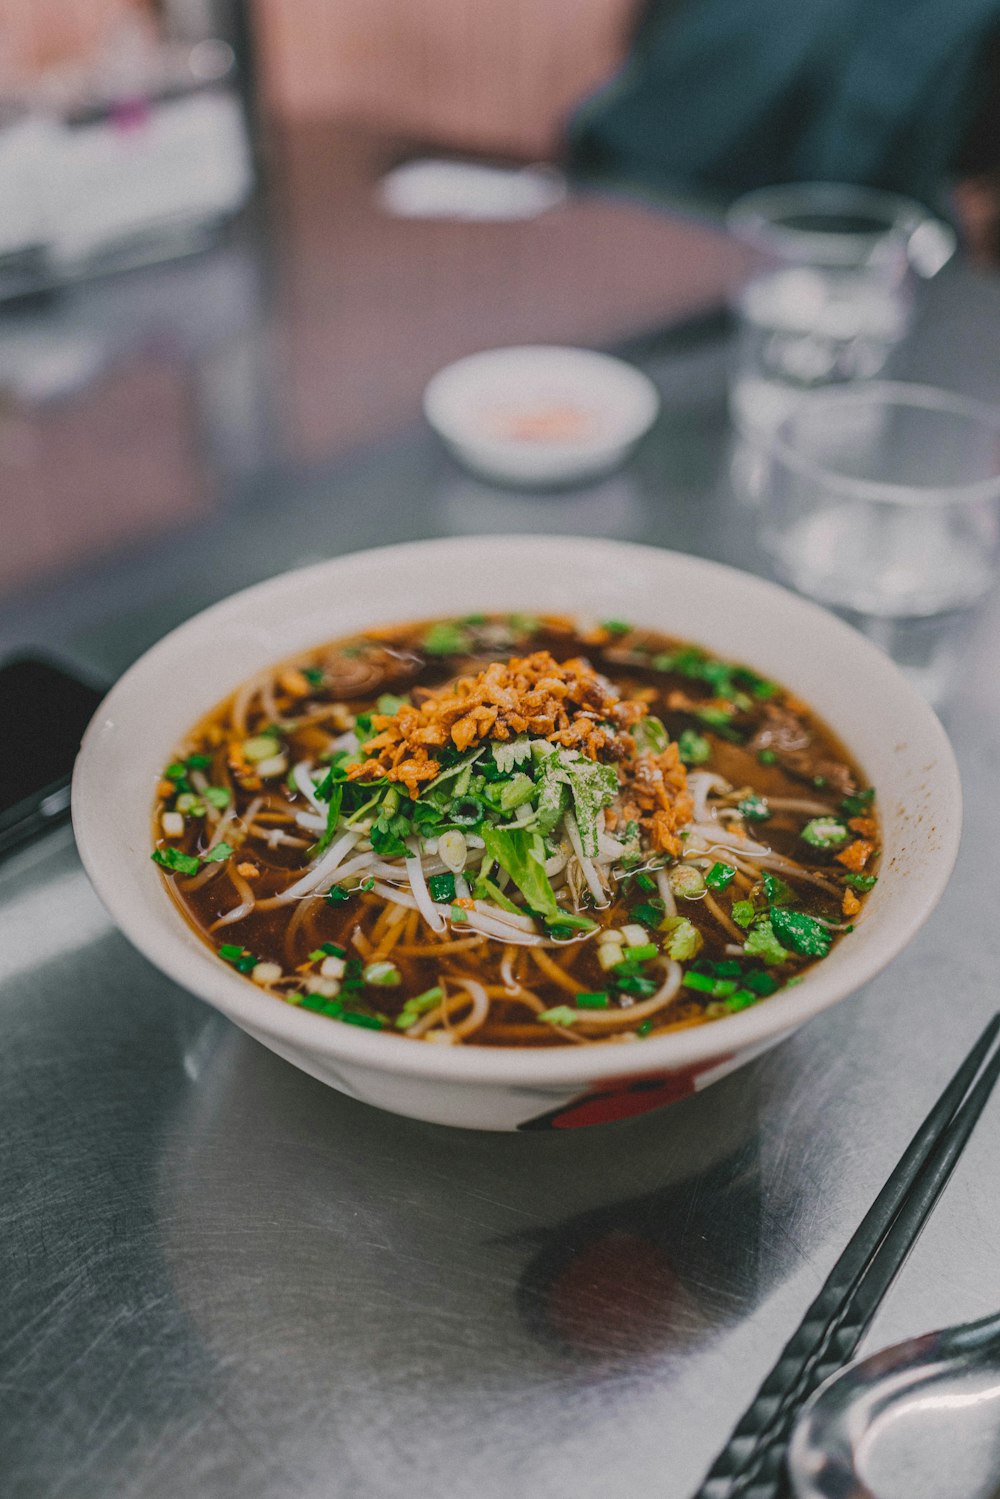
column 516, row 831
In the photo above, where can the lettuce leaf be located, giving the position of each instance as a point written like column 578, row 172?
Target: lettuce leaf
column 593, row 786
column 521, row 854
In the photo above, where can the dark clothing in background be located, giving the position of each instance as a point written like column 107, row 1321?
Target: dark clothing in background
column 720, row 96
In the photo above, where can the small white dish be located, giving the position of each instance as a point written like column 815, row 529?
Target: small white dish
column 885, row 724
column 540, row 414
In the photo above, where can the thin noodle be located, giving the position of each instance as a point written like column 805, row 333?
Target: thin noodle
column 247, row 901
column 553, row 971
column 721, row 917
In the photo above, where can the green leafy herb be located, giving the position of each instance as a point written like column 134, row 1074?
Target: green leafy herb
column 616, row 627
column 217, row 854
column 650, row 735
column 176, row 861
column 767, row 757
column 862, row 882
column 593, row 787
column 743, row 912
column 763, row 943
column 649, row 913
column 335, row 896
column 719, row 876
column 803, row 934
column 334, row 800
column 777, row 892
column 513, row 753
column 858, row 805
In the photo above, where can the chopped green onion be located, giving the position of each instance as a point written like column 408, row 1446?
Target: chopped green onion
column 687, row 881
column 418, row 1005
column 190, row 804
column 441, row 887
column 761, row 982
column 645, row 881
column 642, row 953
column 261, row 747
column 446, row 639
column 231, row 952
column 368, row 884
column 645, row 1028
column 767, row 757
column 314, row 1002
column 466, row 811
column 719, row 875
column 335, row 896
column 357, row 1017
column 384, row 974
column 616, row 627
column 313, row 676
column 706, row 983
column 825, row 832
column 741, row 999
column 560, row 1015
column 597, row 999
column 199, row 762
column 684, row 941
column 754, row 809
column 693, row 748
column 631, row 982
column 175, row 772
column 176, row 861
column 218, row 796
column 728, row 969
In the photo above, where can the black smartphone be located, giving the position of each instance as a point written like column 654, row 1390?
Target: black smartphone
column 44, row 708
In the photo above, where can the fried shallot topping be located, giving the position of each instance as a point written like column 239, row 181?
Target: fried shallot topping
column 567, row 703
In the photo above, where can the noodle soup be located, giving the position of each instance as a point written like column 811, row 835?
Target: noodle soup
column 503, row 830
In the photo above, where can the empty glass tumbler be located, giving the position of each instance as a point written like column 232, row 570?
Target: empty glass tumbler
column 884, row 499
column 828, row 293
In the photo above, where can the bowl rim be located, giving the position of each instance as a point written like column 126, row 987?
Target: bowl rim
column 195, row 967
column 629, row 424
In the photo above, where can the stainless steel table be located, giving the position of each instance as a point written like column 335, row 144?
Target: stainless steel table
column 223, row 1279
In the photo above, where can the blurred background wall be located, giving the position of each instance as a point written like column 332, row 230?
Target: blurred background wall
column 489, row 75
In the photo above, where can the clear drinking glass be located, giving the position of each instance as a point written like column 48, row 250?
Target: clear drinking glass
column 828, row 294
column 884, row 499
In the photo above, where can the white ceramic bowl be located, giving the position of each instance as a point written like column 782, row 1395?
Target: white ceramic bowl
column 891, row 731
column 540, row 415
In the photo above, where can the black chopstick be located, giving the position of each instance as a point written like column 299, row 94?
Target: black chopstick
column 751, row 1464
